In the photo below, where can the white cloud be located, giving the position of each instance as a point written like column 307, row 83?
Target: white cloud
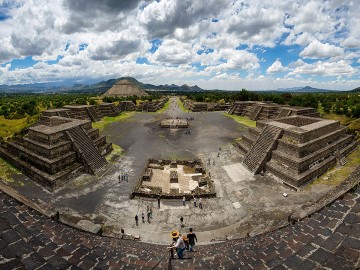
column 351, row 42
column 276, row 67
column 339, row 68
column 113, row 34
column 317, row 49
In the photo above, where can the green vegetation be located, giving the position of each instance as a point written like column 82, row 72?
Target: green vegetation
column 337, row 174
column 9, row 127
column 181, row 106
column 115, row 153
column 107, row 120
column 6, row 169
column 241, row 119
column 166, row 106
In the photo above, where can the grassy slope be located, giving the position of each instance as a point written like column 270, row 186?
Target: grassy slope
column 241, row 119
column 10, row 127
column 107, row 120
column 181, row 105
column 337, row 174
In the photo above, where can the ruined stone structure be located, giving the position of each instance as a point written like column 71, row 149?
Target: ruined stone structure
column 295, row 149
column 125, row 88
column 256, row 110
column 151, row 106
column 174, row 179
column 57, row 149
column 90, row 112
column 174, row 123
column 127, row 105
column 205, row 106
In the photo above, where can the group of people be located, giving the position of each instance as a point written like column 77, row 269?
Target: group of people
column 148, row 213
column 195, row 201
column 182, row 242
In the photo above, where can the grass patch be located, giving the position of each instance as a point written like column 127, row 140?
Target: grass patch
column 8, row 127
column 341, row 118
column 166, row 106
column 6, row 169
column 108, row 119
column 241, row 120
column 115, row 153
column 181, row 105
column 338, row 174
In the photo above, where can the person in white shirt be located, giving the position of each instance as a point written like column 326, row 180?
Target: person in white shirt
column 179, row 244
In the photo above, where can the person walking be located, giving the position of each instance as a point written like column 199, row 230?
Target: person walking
column 143, row 217
column 158, row 202
column 200, row 203
column 179, row 244
column 148, row 215
column 137, row 220
column 194, row 201
column 192, row 237
column 181, row 221
column 184, row 199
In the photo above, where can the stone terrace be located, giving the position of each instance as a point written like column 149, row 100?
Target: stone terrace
column 329, row 238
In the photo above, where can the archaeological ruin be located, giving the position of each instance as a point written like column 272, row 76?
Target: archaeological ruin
column 174, row 179
column 295, row 149
column 174, row 123
column 256, row 110
column 57, row 149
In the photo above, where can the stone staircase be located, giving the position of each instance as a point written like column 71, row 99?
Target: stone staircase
column 85, row 147
column 255, row 113
column 92, row 113
column 258, row 154
column 284, row 113
column 233, row 108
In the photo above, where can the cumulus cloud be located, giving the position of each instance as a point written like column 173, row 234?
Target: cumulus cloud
column 317, row 49
column 351, row 42
column 239, row 60
column 203, row 39
column 276, row 67
column 172, row 52
column 339, row 68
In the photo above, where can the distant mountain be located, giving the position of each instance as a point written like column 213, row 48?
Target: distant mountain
column 101, row 86
column 306, row 89
column 356, row 90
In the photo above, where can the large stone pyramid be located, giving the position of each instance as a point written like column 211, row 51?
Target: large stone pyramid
column 125, row 88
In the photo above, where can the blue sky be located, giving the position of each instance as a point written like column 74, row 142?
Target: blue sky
column 231, row 45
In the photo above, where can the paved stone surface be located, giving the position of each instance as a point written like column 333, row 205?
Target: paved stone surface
column 329, row 239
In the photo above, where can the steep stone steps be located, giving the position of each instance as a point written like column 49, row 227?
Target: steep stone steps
column 92, row 113
column 255, row 113
column 258, row 154
column 87, row 149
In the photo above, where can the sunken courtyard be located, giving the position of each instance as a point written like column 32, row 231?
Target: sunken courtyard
column 250, row 180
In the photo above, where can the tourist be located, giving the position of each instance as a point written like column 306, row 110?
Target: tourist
column 148, row 216
column 192, row 237
column 158, row 202
column 194, row 201
column 150, row 211
column 143, row 217
column 136, row 220
column 200, row 203
column 184, row 200
column 181, row 221
column 179, row 244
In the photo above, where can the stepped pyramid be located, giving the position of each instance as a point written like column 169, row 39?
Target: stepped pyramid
column 125, row 88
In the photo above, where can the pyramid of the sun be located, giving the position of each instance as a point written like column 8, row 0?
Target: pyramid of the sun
column 125, row 88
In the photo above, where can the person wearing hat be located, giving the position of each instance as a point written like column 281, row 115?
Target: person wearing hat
column 178, row 243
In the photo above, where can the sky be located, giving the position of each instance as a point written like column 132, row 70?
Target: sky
column 215, row 44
